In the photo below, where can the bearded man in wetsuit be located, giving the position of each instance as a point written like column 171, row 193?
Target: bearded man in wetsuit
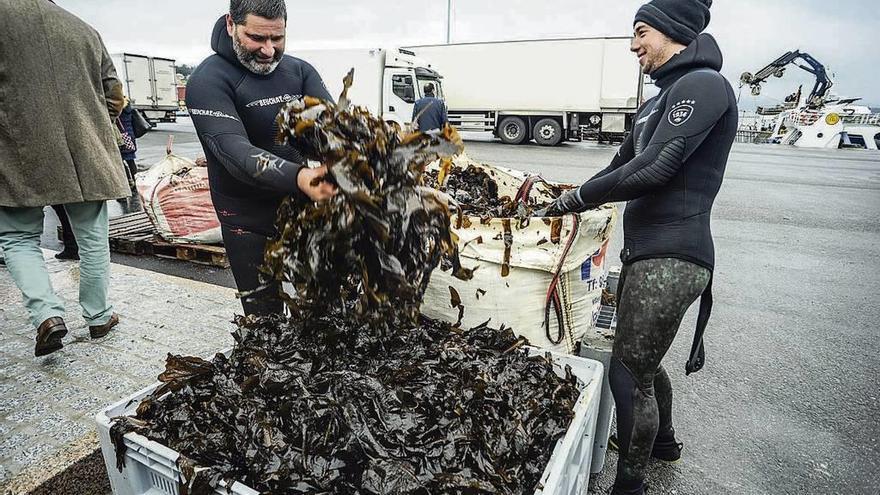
column 669, row 171
column 234, row 97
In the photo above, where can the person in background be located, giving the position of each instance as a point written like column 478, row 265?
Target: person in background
column 71, row 248
column 669, row 171
column 129, row 147
column 47, row 160
column 234, row 97
column 429, row 113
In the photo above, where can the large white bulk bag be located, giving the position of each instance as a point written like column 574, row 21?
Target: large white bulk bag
column 549, row 270
column 177, row 199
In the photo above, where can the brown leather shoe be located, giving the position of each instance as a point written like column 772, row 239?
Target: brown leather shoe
column 99, row 331
column 49, row 335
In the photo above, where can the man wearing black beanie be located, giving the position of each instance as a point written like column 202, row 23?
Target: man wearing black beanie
column 668, row 170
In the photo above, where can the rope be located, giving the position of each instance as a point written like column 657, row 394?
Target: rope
column 553, row 299
column 522, row 194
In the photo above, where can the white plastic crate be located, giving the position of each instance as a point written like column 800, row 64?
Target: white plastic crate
column 151, row 468
column 598, row 344
column 568, row 471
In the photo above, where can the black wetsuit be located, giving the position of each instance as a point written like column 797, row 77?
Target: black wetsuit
column 234, row 112
column 669, row 171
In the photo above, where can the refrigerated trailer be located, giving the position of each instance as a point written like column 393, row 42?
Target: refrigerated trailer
column 386, row 81
column 546, row 90
column 150, row 83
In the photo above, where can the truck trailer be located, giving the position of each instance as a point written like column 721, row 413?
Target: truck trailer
column 546, row 90
column 150, row 83
column 386, row 81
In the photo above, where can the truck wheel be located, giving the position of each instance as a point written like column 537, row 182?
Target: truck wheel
column 512, row 130
column 548, row 132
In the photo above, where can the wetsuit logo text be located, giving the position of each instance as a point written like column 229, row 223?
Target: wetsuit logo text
column 681, row 112
column 210, row 113
column 275, row 100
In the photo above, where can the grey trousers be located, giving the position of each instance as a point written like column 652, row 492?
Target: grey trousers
column 20, row 230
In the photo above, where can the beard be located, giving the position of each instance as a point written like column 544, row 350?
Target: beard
column 650, row 64
column 658, row 58
column 250, row 60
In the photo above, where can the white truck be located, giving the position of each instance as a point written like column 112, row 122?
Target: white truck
column 546, row 90
column 386, row 81
column 150, row 83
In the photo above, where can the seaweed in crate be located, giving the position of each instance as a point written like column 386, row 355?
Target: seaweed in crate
column 316, row 407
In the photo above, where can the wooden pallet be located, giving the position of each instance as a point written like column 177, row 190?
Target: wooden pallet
column 134, row 234
column 204, row 254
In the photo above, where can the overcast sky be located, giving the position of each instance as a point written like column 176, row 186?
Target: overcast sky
column 842, row 34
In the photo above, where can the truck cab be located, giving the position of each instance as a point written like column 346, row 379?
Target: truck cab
column 404, row 86
column 386, row 81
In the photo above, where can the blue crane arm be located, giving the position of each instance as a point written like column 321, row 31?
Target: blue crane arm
column 777, row 67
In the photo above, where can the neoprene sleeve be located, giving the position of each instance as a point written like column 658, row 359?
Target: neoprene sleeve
column 703, row 95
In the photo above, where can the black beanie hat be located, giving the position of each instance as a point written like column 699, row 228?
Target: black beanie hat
column 681, row 20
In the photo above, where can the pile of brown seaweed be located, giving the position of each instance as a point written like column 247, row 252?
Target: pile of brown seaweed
column 356, row 393
column 473, row 189
column 379, row 239
column 476, row 193
column 317, row 407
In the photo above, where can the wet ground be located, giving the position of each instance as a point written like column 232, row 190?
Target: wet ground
column 787, row 403
column 48, row 404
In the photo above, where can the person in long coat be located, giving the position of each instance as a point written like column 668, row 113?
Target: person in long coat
column 129, row 155
column 60, row 95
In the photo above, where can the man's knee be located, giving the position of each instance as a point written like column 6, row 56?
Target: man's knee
column 20, row 224
column 629, row 370
column 12, row 241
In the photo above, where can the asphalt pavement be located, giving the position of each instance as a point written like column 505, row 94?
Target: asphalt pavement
column 787, row 403
column 788, row 400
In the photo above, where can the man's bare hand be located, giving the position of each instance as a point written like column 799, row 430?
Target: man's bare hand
column 311, row 182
